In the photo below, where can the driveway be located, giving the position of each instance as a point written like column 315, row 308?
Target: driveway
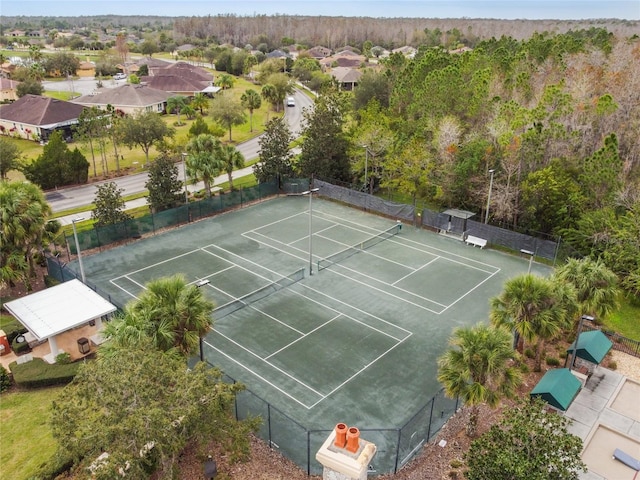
column 82, row 85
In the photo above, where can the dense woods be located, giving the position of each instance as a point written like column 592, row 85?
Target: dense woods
column 554, row 119
column 331, row 32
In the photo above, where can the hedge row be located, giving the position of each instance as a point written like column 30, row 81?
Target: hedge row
column 38, row 373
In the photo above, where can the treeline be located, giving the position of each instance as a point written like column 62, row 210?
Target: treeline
column 552, row 120
column 331, row 32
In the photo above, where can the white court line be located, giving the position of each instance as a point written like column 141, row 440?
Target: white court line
column 275, row 367
column 316, row 234
column 275, row 319
column 279, row 221
column 427, row 247
column 366, row 276
column 355, row 374
column 382, row 320
column 471, row 290
column 170, row 259
column 303, row 336
column 121, row 288
column 276, row 387
column 367, row 251
column 415, row 270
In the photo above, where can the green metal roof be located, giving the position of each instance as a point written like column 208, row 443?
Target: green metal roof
column 557, row 387
column 592, row 346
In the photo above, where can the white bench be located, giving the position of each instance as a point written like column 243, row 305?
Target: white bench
column 475, row 241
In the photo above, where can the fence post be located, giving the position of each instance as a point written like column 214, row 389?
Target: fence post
column 269, row 424
column 308, row 453
column 433, row 401
column 395, row 468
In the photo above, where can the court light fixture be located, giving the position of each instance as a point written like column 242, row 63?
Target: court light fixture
column 310, row 193
column 184, row 174
column 75, row 236
column 486, row 216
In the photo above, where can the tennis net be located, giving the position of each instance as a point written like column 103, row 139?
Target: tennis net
column 349, row 251
column 252, row 297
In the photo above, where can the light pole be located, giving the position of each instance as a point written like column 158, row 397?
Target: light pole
column 184, row 173
column 310, row 193
column 486, row 215
column 75, row 236
column 575, row 347
column 366, row 165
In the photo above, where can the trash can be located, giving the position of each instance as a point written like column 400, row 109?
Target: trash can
column 83, row 345
column 4, row 343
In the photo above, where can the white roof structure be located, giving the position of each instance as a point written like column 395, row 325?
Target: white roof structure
column 57, row 309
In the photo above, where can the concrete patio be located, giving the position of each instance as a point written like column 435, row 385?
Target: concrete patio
column 67, row 342
column 606, row 416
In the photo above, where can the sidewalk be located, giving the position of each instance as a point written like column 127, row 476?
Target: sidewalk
column 140, row 202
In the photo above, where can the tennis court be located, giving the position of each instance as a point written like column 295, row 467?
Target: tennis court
column 355, row 342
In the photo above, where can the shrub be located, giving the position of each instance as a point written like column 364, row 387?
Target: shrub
column 38, row 373
column 63, row 358
column 612, row 365
column 529, row 353
column 13, row 331
column 456, row 463
column 50, row 281
column 5, row 379
column 524, row 368
column 552, row 361
column 20, row 344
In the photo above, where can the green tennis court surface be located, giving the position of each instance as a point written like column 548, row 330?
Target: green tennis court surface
column 355, row 342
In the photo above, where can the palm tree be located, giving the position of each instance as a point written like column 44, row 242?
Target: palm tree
column 171, row 313
column 595, row 284
column 535, row 308
column 477, row 369
column 251, row 100
column 225, row 81
column 231, row 159
column 200, row 102
column 204, row 160
column 176, row 103
column 270, row 94
column 23, row 217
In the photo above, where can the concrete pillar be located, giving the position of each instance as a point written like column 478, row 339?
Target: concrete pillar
column 350, row 462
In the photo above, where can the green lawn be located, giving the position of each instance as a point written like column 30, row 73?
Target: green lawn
column 134, row 159
column 26, row 442
column 625, row 321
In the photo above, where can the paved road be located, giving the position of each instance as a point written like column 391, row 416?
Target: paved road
column 67, row 198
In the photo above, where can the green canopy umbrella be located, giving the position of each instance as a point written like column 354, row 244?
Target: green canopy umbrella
column 592, row 346
column 557, row 387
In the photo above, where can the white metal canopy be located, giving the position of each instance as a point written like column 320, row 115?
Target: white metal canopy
column 57, row 309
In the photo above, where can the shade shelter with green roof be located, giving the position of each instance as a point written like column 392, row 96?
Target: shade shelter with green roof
column 558, row 388
column 592, row 346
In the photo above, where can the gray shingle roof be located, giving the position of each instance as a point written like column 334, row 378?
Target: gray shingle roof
column 125, row 95
column 37, row 110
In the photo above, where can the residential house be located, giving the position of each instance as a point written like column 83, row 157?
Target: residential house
column 8, row 90
column 128, row 98
column 347, row 78
column 86, row 69
column 319, row 52
column 180, row 78
column 407, row 51
column 35, row 118
column 346, row 60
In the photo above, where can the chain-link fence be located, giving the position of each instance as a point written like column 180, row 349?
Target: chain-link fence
column 98, row 237
column 396, row 445
column 547, row 248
